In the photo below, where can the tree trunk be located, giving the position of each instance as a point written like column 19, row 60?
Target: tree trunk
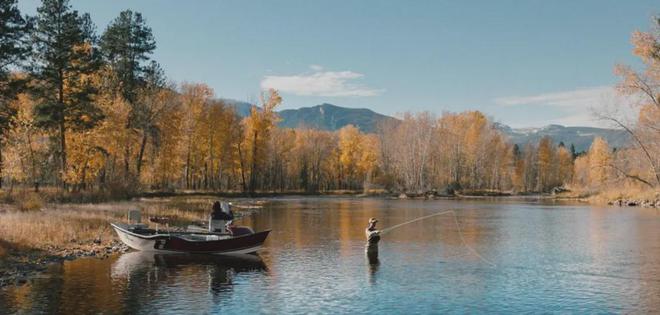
column 33, row 163
column 1, row 165
column 188, row 170
column 62, row 128
column 253, row 166
column 63, row 152
column 127, row 154
column 240, row 159
column 143, row 145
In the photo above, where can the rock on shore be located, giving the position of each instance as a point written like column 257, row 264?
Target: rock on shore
column 635, row 203
column 20, row 266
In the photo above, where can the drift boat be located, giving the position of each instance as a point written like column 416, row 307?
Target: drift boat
column 240, row 241
column 220, row 238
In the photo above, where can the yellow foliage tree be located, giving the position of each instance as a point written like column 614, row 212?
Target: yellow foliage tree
column 599, row 162
column 257, row 132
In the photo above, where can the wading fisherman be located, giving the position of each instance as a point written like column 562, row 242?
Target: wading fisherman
column 373, row 234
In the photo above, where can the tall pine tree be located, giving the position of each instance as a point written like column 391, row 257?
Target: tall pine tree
column 64, row 59
column 13, row 50
column 127, row 44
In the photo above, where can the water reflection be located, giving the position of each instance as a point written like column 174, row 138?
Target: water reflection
column 371, row 252
column 546, row 258
column 216, row 272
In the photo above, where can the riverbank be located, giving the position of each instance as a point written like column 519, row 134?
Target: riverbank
column 30, row 240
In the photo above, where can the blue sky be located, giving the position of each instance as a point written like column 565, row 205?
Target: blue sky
column 524, row 63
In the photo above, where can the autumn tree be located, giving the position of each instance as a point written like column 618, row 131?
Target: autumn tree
column 564, row 165
column 126, row 45
column 64, row 58
column 545, row 158
column 259, row 124
column 26, row 145
column 368, row 161
column 313, row 151
column 645, row 132
column 408, row 150
column 194, row 101
column 599, row 156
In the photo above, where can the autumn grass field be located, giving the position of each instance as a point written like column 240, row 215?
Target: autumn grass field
column 58, row 226
column 34, row 231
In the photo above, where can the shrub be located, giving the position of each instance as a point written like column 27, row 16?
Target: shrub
column 28, row 201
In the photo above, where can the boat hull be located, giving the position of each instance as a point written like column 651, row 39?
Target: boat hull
column 177, row 243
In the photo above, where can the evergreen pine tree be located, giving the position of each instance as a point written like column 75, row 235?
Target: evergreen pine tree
column 64, row 58
column 13, row 50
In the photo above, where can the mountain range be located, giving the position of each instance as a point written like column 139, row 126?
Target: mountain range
column 580, row 137
column 332, row 117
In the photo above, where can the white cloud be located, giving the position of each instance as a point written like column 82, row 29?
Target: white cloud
column 576, row 107
column 319, row 83
column 574, row 98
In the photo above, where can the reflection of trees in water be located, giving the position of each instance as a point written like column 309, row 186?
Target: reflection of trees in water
column 148, row 275
column 75, row 287
column 28, row 297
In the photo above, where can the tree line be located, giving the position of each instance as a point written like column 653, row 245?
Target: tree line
column 89, row 112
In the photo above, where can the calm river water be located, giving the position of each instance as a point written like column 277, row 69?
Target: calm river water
column 503, row 257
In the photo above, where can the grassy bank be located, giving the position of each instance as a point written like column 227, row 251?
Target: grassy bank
column 34, row 233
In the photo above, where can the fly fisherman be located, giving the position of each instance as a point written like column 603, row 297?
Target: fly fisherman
column 373, row 234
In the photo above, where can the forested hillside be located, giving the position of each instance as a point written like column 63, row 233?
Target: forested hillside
column 89, row 112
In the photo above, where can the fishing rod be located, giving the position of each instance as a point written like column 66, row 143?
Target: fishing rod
column 377, row 233
column 488, row 262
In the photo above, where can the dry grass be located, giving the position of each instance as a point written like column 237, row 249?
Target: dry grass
column 46, row 229
column 630, row 193
column 69, row 225
column 612, row 193
column 29, row 201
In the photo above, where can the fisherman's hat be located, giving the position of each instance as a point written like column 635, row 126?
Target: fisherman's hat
column 373, row 220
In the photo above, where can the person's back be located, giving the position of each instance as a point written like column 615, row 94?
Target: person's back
column 219, row 218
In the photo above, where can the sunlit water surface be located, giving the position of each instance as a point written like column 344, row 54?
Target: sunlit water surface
column 535, row 257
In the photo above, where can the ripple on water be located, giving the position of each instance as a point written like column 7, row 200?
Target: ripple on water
column 546, row 258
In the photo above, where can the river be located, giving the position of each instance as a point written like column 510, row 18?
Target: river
column 494, row 256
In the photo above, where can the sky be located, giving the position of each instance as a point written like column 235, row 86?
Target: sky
column 523, row 63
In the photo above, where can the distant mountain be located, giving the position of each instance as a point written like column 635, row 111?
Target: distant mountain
column 331, row 117
column 323, row 117
column 241, row 108
column 580, row 137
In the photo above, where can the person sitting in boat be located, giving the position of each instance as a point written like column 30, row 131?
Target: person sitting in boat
column 222, row 211
column 220, row 215
column 373, row 234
